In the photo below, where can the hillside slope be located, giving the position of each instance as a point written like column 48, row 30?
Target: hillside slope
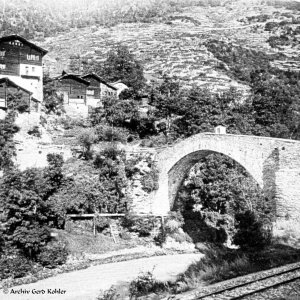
column 177, row 46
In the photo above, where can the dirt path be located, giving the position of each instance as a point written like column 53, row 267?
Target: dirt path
column 85, row 284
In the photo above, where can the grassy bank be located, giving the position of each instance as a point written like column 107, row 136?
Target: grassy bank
column 219, row 264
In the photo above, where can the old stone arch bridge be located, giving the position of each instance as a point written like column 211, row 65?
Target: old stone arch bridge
column 273, row 163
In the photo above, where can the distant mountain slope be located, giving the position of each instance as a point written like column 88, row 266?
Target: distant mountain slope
column 177, row 46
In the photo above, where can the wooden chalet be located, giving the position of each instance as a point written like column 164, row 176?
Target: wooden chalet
column 80, row 93
column 98, row 89
column 22, row 62
column 8, row 88
column 73, row 88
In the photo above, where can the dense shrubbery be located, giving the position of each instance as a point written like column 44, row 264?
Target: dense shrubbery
column 119, row 120
column 273, row 109
column 52, row 102
column 251, row 232
column 86, row 139
column 7, row 146
column 14, row 266
column 27, row 218
column 27, row 215
column 122, row 65
column 142, row 225
column 34, row 131
column 112, row 134
column 17, row 102
column 52, row 255
column 150, row 180
column 217, row 190
column 144, row 284
column 110, row 294
column 102, row 223
column 106, row 193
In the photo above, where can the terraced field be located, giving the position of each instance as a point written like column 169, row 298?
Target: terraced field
column 175, row 47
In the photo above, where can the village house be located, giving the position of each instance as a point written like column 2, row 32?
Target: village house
column 73, row 89
column 98, row 89
column 8, row 87
column 22, row 63
column 82, row 92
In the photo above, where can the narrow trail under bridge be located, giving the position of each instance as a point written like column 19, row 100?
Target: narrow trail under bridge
column 85, row 284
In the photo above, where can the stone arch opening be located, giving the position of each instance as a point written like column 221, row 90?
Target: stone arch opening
column 209, row 224
column 179, row 171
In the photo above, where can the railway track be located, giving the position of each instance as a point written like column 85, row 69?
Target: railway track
column 255, row 286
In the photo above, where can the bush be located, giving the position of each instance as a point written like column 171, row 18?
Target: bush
column 86, row 139
column 131, row 168
column 154, row 141
column 107, row 156
column 142, row 225
column 110, row 294
column 53, row 255
column 251, row 233
column 17, row 102
column 34, row 131
column 172, row 226
column 160, row 238
column 150, row 180
column 111, row 134
column 68, row 123
column 145, row 284
column 126, row 236
column 181, row 237
column 14, row 266
column 111, row 152
column 174, row 216
column 102, row 223
column 30, row 239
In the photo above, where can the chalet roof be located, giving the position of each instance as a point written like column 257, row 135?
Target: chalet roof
column 72, row 76
column 98, row 78
column 35, row 100
column 11, row 83
column 23, row 40
column 119, row 85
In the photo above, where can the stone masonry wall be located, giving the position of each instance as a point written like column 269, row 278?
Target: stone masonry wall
column 273, row 163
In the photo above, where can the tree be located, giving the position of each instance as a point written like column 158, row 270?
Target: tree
column 167, row 100
column 201, row 111
column 7, row 146
column 189, row 112
column 121, row 113
column 86, row 139
column 216, row 191
column 121, row 64
column 105, row 194
column 251, row 233
column 26, row 214
column 53, row 102
column 17, row 102
column 276, row 106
